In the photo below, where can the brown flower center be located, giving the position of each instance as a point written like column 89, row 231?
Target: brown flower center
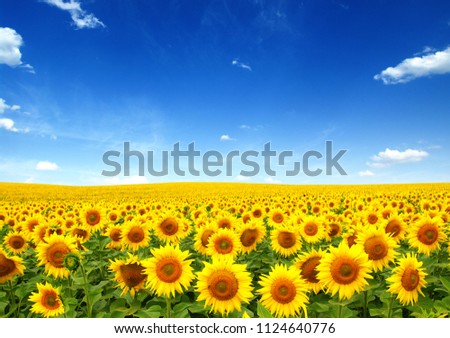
column 92, row 217
column 344, row 270
column 169, row 226
column 248, row 237
column 393, row 227
column 277, row 217
column 136, row 234
column 283, row 291
column 334, row 229
column 168, row 270
column 428, row 234
column 410, row 279
column 376, row 248
column 132, row 274
column 6, row 265
column 50, row 300
column 308, row 269
column 56, row 253
column 16, row 242
column 115, row 235
column 223, row 285
column 223, row 245
column 205, row 237
column 311, row 229
column 286, row 239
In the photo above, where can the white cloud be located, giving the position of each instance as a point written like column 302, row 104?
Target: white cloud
column 365, row 173
column 244, row 126
column 10, row 42
column 8, row 124
column 81, row 19
column 239, row 64
column 243, row 178
column 47, row 166
column 393, row 156
column 126, row 180
column 271, row 180
column 226, row 137
column 419, row 66
column 4, row 106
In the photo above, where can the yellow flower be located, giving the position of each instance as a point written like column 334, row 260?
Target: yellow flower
column 169, row 271
column 51, row 254
column 285, row 240
column 395, row 226
column 426, row 234
column 93, row 218
column 378, row 245
column 312, row 229
column 47, row 301
column 407, row 279
column 223, row 285
column 16, row 242
column 135, row 234
column 307, row 265
column 9, row 267
column 114, row 232
column 203, row 235
column 344, row 270
column 223, row 242
column 283, row 292
column 250, row 235
column 129, row 274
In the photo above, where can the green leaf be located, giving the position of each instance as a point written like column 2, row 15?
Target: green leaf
column 152, row 312
column 262, row 312
column 446, row 283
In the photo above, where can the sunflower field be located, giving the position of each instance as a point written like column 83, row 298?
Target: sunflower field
column 224, row 250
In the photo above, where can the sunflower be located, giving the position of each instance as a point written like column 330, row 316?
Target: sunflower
column 344, row 270
column 223, row 242
column 277, row 217
column 135, row 234
column 257, row 211
column 407, row 279
column 169, row 228
column 129, row 274
column 203, row 235
column 47, row 301
column 312, row 229
column 251, row 234
column 16, row 242
column 378, row 245
column 395, row 226
column 9, row 267
column 283, row 292
column 114, row 232
column 93, row 218
column 427, row 234
column 169, row 271
column 371, row 217
column 224, row 220
column 285, row 240
column 307, row 265
column 223, row 285
column 51, row 254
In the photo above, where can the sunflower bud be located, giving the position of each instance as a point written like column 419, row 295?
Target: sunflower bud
column 71, row 261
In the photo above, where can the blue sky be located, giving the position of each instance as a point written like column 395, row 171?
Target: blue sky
column 79, row 78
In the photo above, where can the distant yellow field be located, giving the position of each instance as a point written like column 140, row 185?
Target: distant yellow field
column 224, row 250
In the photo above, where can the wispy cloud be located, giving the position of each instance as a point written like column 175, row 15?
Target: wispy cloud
column 81, row 19
column 10, row 43
column 434, row 62
column 242, row 178
column 271, row 180
column 4, row 106
column 393, row 156
column 46, row 166
column 239, row 64
column 365, row 173
column 8, row 124
column 226, row 137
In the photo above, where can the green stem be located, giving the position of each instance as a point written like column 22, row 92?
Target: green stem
column 340, row 308
column 168, row 308
column 70, row 285
column 365, row 304
column 11, row 294
column 391, row 301
column 86, row 292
